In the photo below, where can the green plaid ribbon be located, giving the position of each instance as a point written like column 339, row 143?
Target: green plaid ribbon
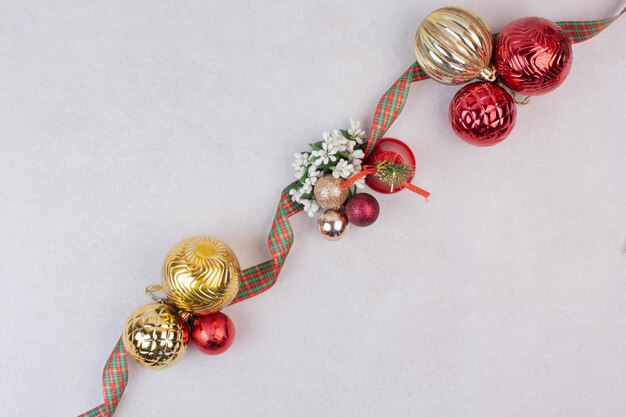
column 262, row 277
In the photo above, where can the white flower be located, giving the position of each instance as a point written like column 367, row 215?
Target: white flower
column 300, row 164
column 343, row 169
column 307, row 187
column 296, row 194
column 313, row 174
column 360, row 183
column 357, row 154
column 356, row 132
column 339, row 141
column 311, row 207
column 327, row 153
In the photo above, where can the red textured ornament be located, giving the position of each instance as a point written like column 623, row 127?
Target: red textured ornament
column 388, row 149
column 213, row 334
column 533, row 56
column 362, row 209
column 482, row 114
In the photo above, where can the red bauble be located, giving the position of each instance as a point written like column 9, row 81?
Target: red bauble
column 212, row 334
column 388, row 149
column 533, row 56
column 362, row 209
column 482, row 114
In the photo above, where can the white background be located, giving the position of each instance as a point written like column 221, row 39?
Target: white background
column 126, row 126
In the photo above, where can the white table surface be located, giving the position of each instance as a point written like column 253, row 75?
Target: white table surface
column 126, row 126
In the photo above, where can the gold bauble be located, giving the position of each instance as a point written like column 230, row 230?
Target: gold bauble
column 155, row 336
column 332, row 224
column 201, row 275
column 328, row 192
column 453, row 45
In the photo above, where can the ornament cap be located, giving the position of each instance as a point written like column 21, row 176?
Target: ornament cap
column 488, row 73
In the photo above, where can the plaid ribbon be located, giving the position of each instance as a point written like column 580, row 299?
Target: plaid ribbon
column 262, row 277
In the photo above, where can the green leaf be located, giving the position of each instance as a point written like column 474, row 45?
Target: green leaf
column 316, row 146
column 346, row 134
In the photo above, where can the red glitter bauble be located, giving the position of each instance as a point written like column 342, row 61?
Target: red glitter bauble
column 388, row 149
column 212, row 334
column 482, row 114
column 362, row 209
column 533, row 56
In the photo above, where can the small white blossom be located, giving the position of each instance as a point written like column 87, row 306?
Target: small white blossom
column 314, row 174
column 357, row 154
column 360, row 183
column 343, row 169
column 356, row 132
column 296, row 194
column 307, row 187
column 326, row 154
column 311, row 207
column 300, row 164
column 339, row 141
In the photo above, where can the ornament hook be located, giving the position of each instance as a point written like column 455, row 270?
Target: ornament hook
column 151, row 292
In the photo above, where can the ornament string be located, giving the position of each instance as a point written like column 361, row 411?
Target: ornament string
column 259, row 278
column 396, row 175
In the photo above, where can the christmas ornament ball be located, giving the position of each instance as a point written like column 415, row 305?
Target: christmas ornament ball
column 201, row 275
column 333, row 224
column 328, row 192
column 362, row 209
column 393, row 150
column 155, row 336
column 213, row 334
column 453, row 45
column 482, row 113
column 533, row 56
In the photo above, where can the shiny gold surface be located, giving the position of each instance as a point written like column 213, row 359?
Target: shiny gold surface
column 333, row 224
column 201, row 275
column 453, row 45
column 155, row 336
column 328, row 192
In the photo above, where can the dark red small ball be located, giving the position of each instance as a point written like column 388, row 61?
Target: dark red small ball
column 482, row 113
column 212, row 334
column 362, row 209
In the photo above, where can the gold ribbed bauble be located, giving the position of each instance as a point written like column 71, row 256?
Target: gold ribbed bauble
column 155, row 336
column 332, row 224
column 453, row 46
column 328, row 192
column 201, row 275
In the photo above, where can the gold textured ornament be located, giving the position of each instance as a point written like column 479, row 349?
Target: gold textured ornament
column 155, row 336
column 201, row 275
column 328, row 192
column 453, row 46
column 332, row 224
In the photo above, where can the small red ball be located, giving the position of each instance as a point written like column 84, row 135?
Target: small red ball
column 533, row 56
column 212, row 334
column 388, row 149
column 482, row 114
column 362, row 209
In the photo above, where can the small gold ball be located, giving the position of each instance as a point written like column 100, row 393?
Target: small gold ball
column 155, row 336
column 201, row 275
column 328, row 192
column 332, row 224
